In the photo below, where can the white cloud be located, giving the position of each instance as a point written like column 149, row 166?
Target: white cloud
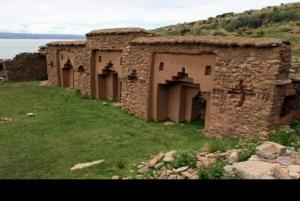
column 81, row 16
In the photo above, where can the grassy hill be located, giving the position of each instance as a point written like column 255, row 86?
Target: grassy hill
column 272, row 22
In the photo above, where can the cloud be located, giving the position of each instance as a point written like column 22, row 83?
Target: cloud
column 81, row 16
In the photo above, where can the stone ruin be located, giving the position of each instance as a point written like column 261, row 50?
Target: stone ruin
column 24, row 67
column 240, row 86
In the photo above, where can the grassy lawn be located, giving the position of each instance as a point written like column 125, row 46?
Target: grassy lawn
column 68, row 129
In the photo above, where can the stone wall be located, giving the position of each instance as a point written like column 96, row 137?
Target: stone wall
column 108, row 40
column 81, row 71
column 26, row 67
column 247, row 88
column 244, row 102
column 83, row 61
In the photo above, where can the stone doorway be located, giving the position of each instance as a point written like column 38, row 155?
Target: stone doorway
column 109, row 86
column 68, row 75
column 177, row 102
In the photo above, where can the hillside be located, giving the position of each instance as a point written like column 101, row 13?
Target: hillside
column 39, row 36
column 281, row 21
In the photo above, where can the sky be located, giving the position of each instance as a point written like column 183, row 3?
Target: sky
column 83, row 16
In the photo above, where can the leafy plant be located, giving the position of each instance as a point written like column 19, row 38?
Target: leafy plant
column 286, row 136
column 220, row 145
column 79, row 94
column 247, row 148
column 184, row 158
column 212, row 171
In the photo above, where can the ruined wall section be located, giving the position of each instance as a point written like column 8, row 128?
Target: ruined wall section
column 138, row 61
column 244, row 100
column 26, row 67
column 110, row 40
column 81, row 57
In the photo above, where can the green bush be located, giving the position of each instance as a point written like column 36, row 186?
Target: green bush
column 79, row 94
column 277, row 16
column 220, row 145
column 219, row 33
column 247, row 148
column 39, row 78
column 259, row 34
column 184, row 158
column 244, row 21
column 297, row 70
column 212, row 171
column 286, row 136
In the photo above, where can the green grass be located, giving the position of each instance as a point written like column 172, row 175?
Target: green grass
column 68, row 129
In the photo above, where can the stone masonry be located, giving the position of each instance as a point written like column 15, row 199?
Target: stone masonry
column 241, row 86
column 26, row 67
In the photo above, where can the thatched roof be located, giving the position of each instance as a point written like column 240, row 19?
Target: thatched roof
column 126, row 30
column 68, row 43
column 212, row 40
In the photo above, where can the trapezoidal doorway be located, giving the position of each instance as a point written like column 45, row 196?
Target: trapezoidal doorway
column 109, row 86
column 67, row 75
column 106, row 75
column 177, row 101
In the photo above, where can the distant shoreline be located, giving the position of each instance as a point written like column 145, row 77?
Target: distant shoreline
column 4, row 35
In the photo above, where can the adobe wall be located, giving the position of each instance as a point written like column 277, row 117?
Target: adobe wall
column 244, row 100
column 106, row 73
column 26, row 67
column 57, row 55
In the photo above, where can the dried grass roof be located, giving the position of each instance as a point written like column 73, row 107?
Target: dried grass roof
column 125, row 30
column 212, row 40
column 68, row 43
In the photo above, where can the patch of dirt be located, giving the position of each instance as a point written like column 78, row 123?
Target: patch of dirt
column 44, row 82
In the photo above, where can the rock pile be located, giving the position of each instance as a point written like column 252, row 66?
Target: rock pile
column 3, row 78
column 271, row 161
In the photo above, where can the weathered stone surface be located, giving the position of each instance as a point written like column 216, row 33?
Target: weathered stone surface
column 169, row 123
column 143, row 170
column 265, row 176
column 285, row 160
column 186, row 174
column 294, row 175
column 159, row 165
column 270, row 150
column 279, row 173
column 115, row 177
column 181, row 169
column 294, row 168
column 155, row 159
column 168, row 157
column 30, row 114
column 173, row 176
column 233, row 157
column 251, row 169
column 83, row 165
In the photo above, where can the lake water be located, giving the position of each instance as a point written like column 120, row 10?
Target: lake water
column 11, row 47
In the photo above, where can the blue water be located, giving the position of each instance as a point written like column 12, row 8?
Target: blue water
column 11, row 47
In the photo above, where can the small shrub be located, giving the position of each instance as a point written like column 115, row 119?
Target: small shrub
column 286, row 136
column 220, row 145
column 212, row 171
column 247, row 148
column 259, row 34
column 219, row 33
column 286, row 29
column 40, row 78
column 121, row 163
column 79, row 94
column 184, row 158
column 297, row 70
